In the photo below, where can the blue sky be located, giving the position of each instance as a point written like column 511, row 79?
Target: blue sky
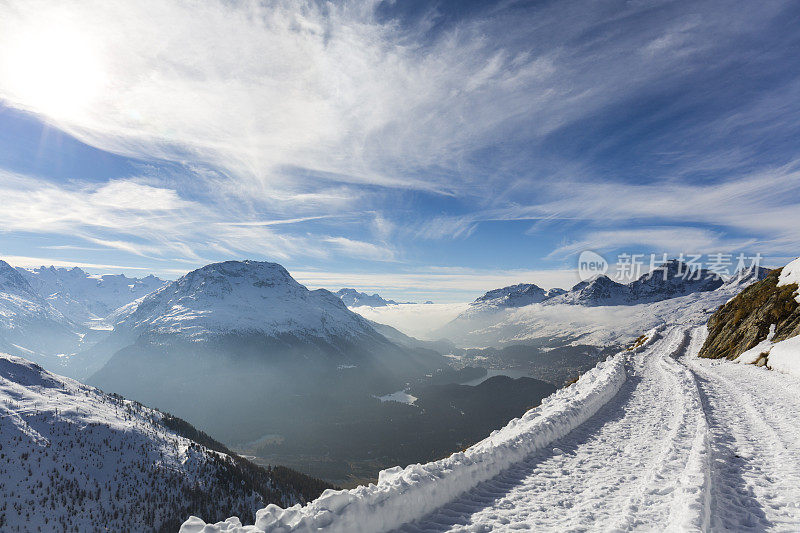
column 426, row 150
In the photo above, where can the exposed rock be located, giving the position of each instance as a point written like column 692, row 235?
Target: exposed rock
column 745, row 320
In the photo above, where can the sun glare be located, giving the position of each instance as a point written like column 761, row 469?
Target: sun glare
column 54, row 71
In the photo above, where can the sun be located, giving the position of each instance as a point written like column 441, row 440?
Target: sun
column 55, row 71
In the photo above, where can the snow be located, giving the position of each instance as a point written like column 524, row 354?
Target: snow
column 75, row 459
column 241, row 297
column 754, row 419
column 652, row 439
column 790, row 275
column 785, row 356
column 84, row 297
column 404, row 494
column 598, row 325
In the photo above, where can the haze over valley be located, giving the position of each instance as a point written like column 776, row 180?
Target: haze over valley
column 379, row 266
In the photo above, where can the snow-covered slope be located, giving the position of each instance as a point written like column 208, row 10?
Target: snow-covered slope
column 654, row 439
column 75, row 459
column 669, row 280
column 516, row 296
column 247, row 326
column 241, row 297
column 599, row 311
column 353, row 298
column 86, row 298
column 29, row 325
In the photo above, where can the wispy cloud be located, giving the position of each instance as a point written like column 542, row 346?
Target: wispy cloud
column 155, row 222
column 669, row 240
column 262, row 90
column 361, row 249
column 311, row 130
column 759, row 209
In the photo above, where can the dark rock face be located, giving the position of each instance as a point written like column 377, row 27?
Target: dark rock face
column 672, row 279
column 745, row 321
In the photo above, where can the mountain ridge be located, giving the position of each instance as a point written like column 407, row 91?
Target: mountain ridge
column 354, row 298
column 671, row 279
column 248, row 325
column 29, row 325
column 87, row 298
column 107, row 456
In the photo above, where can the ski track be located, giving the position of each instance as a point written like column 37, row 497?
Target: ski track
column 686, row 445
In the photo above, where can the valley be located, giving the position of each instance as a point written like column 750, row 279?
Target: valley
column 286, row 376
column 382, row 266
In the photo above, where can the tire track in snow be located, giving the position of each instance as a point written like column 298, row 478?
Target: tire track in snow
column 677, row 486
column 640, row 462
column 755, row 427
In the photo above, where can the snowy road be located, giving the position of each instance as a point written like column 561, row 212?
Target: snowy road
column 686, row 444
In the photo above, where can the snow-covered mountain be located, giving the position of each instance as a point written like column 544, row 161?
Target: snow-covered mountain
column 249, row 297
column 75, row 459
column 86, row 298
column 353, row 298
column 518, row 295
column 599, row 290
column 29, row 325
column 669, row 280
column 599, row 311
column 246, row 325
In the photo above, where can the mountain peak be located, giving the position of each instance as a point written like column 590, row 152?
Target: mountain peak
column 597, row 280
column 353, row 298
column 749, row 275
column 12, row 280
column 671, row 279
column 259, row 273
column 514, row 291
column 597, row 290
column 242, row 296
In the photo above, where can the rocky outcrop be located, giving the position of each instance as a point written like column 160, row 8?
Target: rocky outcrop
column 745, row 320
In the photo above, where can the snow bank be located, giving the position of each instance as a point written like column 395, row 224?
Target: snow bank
column 790, row 275
column 406, row 494
column 785, row 356
column 752, row 355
